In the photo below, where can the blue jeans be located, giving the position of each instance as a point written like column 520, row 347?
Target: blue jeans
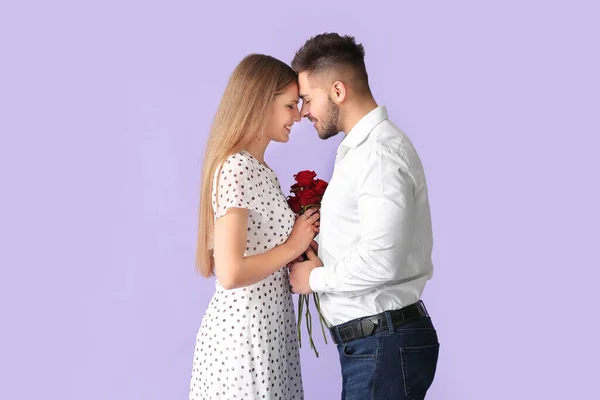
column 397, row 364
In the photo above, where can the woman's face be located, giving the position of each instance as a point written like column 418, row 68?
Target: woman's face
column 284, row 112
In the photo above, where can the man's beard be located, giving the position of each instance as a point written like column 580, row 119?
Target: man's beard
column 329, row 124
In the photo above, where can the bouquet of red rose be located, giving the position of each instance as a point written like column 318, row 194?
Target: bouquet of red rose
column 307, row 192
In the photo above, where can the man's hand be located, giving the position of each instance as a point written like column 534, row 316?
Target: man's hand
column 315, row 246
column 300, row 272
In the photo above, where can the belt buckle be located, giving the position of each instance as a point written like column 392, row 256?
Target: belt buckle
column 367, row 326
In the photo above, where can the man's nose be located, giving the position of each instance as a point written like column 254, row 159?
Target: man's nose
column 304, row 112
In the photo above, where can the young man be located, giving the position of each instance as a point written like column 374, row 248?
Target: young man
column 374, row 251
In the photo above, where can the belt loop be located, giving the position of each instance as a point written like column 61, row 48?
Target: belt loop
column 424, row 308
column 390, row 324
column 336, row 334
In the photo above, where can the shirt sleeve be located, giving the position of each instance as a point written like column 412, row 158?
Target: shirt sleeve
column 385, row 198
column 235, row 185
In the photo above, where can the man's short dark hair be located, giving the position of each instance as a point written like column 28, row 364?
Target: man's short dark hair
column 330, row 52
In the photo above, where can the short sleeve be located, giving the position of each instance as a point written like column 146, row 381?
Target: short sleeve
column 236, row 184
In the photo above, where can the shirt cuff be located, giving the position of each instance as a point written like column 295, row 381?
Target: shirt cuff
column 316, row 280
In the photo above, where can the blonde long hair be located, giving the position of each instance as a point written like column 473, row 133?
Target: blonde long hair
column 240, row 118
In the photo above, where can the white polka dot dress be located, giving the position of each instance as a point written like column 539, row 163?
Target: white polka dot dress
column 247, row 345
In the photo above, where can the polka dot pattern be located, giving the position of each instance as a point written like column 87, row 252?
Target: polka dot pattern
column 247, row 346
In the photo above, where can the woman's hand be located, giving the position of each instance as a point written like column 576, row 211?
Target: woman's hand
column 304, row 231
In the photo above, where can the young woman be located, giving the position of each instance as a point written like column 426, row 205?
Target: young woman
column 246, row 346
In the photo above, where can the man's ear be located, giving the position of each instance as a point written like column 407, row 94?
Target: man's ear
column 338, row 92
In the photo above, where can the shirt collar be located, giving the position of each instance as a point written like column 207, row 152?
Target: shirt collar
column 364, row 126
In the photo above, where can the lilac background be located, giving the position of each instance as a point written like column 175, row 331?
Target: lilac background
column 104, row 111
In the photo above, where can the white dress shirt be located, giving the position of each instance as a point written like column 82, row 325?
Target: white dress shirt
column 375, row 239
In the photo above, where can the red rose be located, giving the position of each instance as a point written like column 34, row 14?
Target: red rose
column 296, row 188
column 319, row 187
column 309, row 197
column 305, row 178
column 294, row 203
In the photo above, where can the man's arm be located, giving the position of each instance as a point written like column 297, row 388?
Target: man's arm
column 385, row 195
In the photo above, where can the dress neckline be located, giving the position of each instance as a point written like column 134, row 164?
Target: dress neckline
column 255, row 159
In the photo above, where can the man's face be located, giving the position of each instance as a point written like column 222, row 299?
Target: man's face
column 318, row 107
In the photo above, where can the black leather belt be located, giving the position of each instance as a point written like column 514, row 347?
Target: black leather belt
column 367, row 326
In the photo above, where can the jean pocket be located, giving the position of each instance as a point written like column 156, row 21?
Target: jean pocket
column 361, row 348
column 418, row 369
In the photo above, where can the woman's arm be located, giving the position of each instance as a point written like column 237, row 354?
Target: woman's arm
column 233, row 270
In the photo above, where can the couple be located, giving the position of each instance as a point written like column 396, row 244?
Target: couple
column 374, row 243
